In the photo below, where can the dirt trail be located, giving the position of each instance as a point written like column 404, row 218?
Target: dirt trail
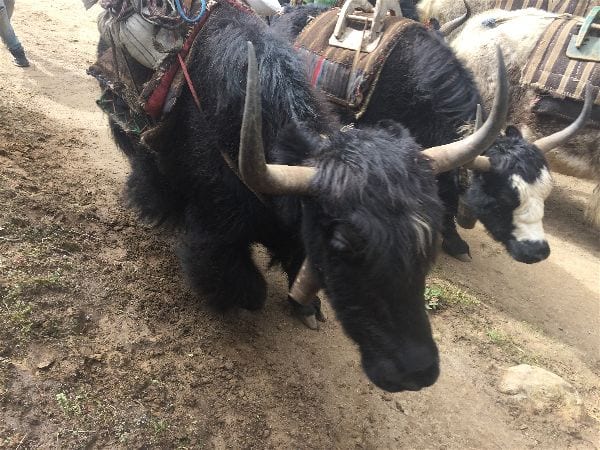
column 104, row 347
column 559, row 295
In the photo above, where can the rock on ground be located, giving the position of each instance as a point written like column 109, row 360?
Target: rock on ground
column 539, row 391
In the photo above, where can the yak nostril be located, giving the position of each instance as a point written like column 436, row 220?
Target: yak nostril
column 429, row 375
column 410, row 370
column 386, row 375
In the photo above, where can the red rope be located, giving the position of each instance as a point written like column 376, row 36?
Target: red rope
column 156, row 100
column 189, row 81
column 241, row 6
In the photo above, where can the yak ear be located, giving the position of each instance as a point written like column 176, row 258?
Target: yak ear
column 512, row 131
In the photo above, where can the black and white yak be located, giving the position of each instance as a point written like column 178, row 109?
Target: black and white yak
column 517, row 33
column 361, row 204
column 425, row 87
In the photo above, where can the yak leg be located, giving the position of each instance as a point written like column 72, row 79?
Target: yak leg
column 291, row 261
column 452, row 243
column 308, row 310
column 224, row 272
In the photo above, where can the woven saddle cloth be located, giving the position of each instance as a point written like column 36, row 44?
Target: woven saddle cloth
column 550, row 70
column 575, row 7
column 346, row 79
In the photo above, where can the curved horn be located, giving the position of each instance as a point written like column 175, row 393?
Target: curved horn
column 449, row 156
column 255, row 172
column 478, row 117
column 547, row 143
column 481, row 163
column 449, row 27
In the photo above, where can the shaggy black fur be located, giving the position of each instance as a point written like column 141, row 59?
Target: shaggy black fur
column 409, row 9
column 424, row 87
column 368, row 227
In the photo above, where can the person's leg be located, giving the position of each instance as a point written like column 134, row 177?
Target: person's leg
column 8, row 34
column 10, row 7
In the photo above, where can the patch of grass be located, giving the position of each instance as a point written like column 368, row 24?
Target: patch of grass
column 19, row 315
column 70, row 406
column 440, row 294
column 511, row 348
column 15, row 306
column 159, row 426
column 433, row 295
column 33, row 284
column 52, row 281
column 498, row 338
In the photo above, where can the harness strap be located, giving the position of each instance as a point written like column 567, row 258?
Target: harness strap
column 230, row 163
column 186, row 74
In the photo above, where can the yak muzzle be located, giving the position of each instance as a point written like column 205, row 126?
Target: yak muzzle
column 528, row 252
column 418, row 369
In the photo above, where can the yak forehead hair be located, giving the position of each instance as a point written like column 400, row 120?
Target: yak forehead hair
column 221, row 63
column 379, row 181
column 513, row 155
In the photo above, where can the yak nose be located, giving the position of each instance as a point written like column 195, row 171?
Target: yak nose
column 409, row 371
column 529, row 252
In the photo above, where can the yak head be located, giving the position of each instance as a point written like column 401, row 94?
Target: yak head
column 370, row 218
column 510, row 184
column 369, row 229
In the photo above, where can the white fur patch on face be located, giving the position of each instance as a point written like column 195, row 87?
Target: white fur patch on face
column 527, row 217
column 423, row 232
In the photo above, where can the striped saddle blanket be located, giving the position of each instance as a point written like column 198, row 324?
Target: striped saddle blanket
column 575, row 7
column 551, row 70
column 347, row 79
column 512, row 5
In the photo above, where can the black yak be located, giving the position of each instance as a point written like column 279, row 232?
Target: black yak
column 360, row 204
column 424, row 86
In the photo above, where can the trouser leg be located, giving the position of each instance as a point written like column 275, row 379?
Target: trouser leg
column 7, row 33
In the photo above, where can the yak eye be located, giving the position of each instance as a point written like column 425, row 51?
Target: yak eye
column 345, row 240
column 339, row 242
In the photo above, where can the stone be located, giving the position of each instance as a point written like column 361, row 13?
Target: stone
column 537, row 391
column 45, row 363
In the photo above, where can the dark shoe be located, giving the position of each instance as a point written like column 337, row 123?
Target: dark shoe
column 20, row 59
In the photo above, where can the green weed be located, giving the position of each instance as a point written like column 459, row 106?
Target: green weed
column 440, row 294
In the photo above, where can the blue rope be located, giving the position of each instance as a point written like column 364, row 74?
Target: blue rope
column 184, row 15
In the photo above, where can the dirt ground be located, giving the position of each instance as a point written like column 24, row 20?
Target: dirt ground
column 103, row 346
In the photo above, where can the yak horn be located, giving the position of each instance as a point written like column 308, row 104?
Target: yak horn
column 481, row 163
column 449, row 27
column 547, row 143
column 449, row 156
column 478, row 117
column 255, row 172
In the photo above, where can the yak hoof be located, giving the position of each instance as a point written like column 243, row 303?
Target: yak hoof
column 457, row 248
column 309, row 314
column 310, row 321
column 320, row 315
column 464, row 257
